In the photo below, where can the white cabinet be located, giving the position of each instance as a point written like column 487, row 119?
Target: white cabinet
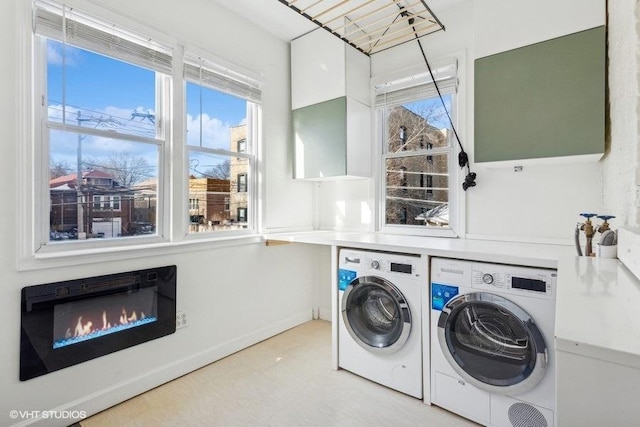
column 597, row 345
column 323, row 67
column 330, row 98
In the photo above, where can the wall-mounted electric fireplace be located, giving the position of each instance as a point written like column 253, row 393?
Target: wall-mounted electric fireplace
column 70, row 322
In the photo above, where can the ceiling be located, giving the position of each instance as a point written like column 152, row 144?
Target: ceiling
column 279, row 19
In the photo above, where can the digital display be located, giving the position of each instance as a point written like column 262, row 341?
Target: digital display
column 528, row 284
column 401, row 268
column 82, row 320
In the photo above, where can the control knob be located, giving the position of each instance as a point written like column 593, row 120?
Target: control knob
column 375, row 264
column 487, row 278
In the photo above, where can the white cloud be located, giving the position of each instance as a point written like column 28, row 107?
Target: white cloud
column 55, row 54
column 55, row 112
column 215, row 132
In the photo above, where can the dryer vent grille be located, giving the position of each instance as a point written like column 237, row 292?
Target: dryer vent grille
column 524, row 415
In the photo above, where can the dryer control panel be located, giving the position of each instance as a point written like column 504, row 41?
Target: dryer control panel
column 506, row 279
column 535, row 282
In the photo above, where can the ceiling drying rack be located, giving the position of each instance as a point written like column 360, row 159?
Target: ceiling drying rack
column 370, row 26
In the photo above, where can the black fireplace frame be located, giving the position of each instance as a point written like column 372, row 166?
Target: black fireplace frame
column 37, row 355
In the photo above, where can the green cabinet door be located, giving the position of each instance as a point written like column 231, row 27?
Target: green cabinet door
column 543, row 100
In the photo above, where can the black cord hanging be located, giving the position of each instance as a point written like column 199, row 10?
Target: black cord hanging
column 463, row 158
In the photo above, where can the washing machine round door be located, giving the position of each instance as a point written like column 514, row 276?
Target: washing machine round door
column 492, row 343
column 376, row 314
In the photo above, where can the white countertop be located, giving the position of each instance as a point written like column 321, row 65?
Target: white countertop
column 528, row 254
column 598, row 310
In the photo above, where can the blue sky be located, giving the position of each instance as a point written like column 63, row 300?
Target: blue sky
column 435, row 105
column 108, row 91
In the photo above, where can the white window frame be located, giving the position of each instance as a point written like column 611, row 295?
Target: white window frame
column 407, row 79
column 214, row 74
column 33, row 178
column 41, row 244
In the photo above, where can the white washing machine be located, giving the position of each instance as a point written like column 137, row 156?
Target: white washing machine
column 492, row 342
column 379, row 332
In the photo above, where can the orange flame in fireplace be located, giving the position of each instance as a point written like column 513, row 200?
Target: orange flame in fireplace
column 82, row 329
column 85, row 328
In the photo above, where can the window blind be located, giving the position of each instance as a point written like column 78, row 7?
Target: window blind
column 417, row 86
column 206, row 73
column 70, row 27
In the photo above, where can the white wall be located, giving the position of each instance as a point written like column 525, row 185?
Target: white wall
column 541, row 203
column 233, row 296
column 622, row 162
column 346, row 205
column 502, row 25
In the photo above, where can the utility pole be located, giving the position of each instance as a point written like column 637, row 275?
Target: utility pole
column 81, row 233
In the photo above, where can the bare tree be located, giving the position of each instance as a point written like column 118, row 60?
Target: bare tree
column 127, row 169
column 58, row 168
column 219, row 171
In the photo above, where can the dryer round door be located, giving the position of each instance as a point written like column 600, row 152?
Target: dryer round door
column 376, row 314
column 492, row 343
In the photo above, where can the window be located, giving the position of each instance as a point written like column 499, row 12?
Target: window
column 242, row 183
column 106, row 203
column 417, row 156
column 106, row 102
column 403, row 178
column 103, row 105
column 242, row 214
column 242, row 146
column 222, row 117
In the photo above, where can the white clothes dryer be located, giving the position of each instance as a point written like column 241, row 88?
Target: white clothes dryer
column 379, row 332
column 492, row 341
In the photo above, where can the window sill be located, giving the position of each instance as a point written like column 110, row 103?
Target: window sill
column 418, row 231
column 82, row 256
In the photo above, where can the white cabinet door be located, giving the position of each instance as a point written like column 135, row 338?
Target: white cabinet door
column 317, row 68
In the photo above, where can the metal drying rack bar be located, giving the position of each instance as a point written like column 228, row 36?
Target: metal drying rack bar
column 371, row 26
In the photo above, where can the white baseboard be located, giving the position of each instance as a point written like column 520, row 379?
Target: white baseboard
column 106, row 398
column 325, row 314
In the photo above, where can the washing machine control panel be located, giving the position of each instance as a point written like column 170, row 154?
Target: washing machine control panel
column 386, row 265
column 374, row 262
